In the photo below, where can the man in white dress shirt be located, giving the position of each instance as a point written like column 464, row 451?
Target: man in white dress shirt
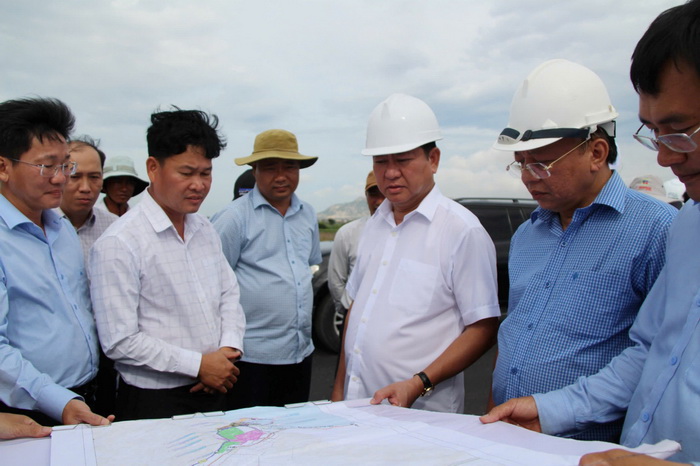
column 344, row 251
column 424, row 284
column 166, row 301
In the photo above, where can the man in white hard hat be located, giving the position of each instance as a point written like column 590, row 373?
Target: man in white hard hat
column 344, row 252
column 653, row 384
column 120, row 183
column 581, row 267
column 270, row 238
column 424, row 284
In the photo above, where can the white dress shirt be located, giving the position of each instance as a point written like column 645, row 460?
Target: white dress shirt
column 161, row 302
column 342, row 260
column 416, row 287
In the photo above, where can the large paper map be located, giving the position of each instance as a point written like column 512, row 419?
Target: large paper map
column 308, row 435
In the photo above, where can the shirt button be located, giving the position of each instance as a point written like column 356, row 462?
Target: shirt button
column 354, row 379
column 529, row 326
column 384, row 262
column 645, row 417
column 293, row 262
column 364, row 320
column 674, row 360
column 374, row 291
column 514, row 371
column 357, row 350
column 547, row 285
column 393, row 233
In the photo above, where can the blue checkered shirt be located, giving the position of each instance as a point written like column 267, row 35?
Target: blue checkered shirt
column 574, row 293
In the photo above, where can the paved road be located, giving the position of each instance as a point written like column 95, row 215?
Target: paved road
column 477, row 380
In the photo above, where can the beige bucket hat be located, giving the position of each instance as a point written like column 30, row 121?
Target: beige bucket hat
column 276, row 144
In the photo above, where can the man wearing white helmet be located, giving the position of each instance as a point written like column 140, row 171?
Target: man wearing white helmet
column 581, row 267
column 424, row 284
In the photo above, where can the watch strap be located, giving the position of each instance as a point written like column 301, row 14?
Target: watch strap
column 427, row 384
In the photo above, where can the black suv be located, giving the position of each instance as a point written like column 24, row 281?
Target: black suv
column 500, row 218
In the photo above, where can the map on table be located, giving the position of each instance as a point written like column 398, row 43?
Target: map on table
column 309, row 435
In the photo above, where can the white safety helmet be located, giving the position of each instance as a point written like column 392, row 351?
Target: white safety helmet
column 400, row 124
column 558, row 99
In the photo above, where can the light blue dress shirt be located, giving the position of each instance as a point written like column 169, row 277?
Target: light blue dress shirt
column 658, row 378
column 270, row 255
column 48, row 340
column 574, row 293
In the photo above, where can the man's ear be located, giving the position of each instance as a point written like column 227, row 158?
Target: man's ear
column 4, row 169
column 434, row 158
column 599, row 153
column 152, row 166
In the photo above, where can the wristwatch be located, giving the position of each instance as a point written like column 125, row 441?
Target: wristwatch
column 427, row 384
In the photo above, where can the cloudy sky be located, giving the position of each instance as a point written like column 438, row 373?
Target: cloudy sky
column 318, row 68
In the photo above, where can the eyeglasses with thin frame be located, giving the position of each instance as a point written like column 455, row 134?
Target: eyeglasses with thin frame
column 49, row 171
column 677, row 142
column 537, row 169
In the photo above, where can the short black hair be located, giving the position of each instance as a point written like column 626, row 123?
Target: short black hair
column 674, row 36
column 172, row 131
column 22, row 120
column 85, row 140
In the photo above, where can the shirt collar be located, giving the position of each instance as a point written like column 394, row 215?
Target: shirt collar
column 427, row 207
column 88, row 223
column 160, row 221
column 257, row 199
column 13, row 217
column 612, row 195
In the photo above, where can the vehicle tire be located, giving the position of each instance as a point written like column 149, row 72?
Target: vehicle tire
column 328, row 324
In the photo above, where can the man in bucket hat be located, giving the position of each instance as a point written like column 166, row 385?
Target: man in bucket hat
column 120, row 183
column 270, row 237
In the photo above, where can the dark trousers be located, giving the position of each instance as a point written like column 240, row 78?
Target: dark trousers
column 106, row 393
column 270, row 385
column 145, row 403
column 87, row 391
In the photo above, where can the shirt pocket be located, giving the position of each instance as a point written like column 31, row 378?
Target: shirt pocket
column 600, row 304
column 413, row 286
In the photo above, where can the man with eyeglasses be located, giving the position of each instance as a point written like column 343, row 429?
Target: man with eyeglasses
column 654, row 384
column 582, row 266
column 48, row 343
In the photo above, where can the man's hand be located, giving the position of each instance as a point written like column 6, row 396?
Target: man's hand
column 620, row 457
column 518, row 411
column 17, row 426
column 77, row 412
column 402, row 394
column 217, row 371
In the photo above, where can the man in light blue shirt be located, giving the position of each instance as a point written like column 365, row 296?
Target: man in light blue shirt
column 270, row 238
column 48, row 342
column 581, row 267
column 655, row 383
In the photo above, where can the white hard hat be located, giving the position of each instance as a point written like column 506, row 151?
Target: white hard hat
column 558, row 99
column 399, row 124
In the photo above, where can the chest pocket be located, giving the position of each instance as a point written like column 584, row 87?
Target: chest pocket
column 413, row 286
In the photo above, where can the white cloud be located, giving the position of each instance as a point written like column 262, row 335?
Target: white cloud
column 316, row 68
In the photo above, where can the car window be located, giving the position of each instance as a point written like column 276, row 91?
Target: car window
column 495, row 220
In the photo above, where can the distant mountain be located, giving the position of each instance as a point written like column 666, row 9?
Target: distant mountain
column 345, row 212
